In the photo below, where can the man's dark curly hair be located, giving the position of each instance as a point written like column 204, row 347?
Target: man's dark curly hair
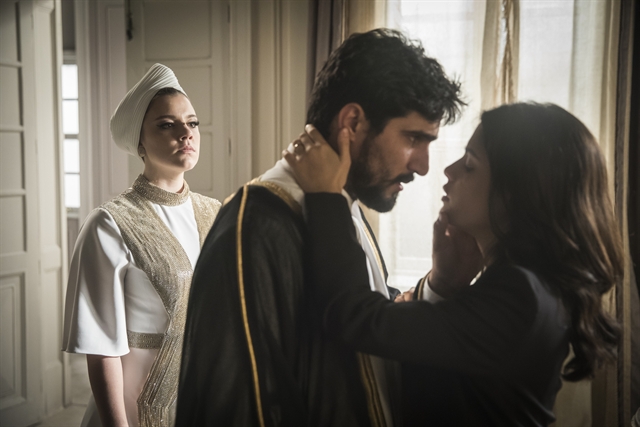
column 389, row 76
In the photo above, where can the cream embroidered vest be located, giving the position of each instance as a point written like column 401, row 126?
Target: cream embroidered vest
column 159, row 254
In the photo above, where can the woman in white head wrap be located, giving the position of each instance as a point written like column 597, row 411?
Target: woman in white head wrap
column 131, row 269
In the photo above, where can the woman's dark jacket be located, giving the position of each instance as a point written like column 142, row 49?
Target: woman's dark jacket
column 492, row 355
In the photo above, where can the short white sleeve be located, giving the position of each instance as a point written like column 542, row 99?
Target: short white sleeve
column 95, row 319
column 107, row 293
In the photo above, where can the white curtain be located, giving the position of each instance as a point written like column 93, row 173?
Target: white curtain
column 452, row 32
column 564, row 52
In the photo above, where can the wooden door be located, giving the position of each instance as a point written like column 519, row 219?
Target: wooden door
column 207, row 45
column 31, row 214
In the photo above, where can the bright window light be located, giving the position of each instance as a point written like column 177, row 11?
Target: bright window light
column 71, row 128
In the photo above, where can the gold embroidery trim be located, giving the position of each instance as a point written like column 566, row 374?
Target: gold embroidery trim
column 371, row 388
column 276, row 190
column 157, row 195
column 205, row 210
column 161, row 256
column 281, row 193
column 243, row 303
column 229, row 198
column 144, row 340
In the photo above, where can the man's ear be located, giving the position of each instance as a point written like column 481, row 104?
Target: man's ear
column 352, row 117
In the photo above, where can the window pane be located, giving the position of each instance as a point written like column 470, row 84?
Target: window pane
column 70, row 117
column 451, row 32
column 70, row 81
column 72, row 190
column 71, row 156
column 546, row 47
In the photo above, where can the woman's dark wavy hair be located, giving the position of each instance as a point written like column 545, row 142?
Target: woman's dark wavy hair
column 388, row 76
column 549, row 176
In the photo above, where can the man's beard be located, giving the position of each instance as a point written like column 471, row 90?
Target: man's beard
column 369, row 187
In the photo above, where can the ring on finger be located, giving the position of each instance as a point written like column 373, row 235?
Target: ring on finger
column 299, row 148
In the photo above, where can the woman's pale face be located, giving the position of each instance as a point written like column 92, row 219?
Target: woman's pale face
column 466, row 202
column 170, row 136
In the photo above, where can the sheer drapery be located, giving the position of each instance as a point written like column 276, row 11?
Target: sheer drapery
column 500, row 53
column 332, row 21
column 568, row 56
column 327, row 30
column 454, row 33
column 565, row 52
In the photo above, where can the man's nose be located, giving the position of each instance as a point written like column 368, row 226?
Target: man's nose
column 419, row 161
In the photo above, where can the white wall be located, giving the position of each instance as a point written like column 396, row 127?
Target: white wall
column 279, row 73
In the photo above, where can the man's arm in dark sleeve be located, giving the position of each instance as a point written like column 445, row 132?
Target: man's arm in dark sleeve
column 474, row 332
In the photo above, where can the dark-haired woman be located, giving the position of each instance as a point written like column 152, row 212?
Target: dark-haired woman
column 531, row 190
column 131, row 269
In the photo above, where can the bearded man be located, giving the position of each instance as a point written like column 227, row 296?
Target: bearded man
column 254, row 350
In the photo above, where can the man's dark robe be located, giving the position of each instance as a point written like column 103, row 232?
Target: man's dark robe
column 254, row 350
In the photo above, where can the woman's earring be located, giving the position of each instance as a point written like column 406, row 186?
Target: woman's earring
column 141, row 151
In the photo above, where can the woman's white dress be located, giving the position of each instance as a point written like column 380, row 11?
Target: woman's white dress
column 108, row 294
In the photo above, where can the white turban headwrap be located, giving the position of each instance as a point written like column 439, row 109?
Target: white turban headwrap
column 126, row 122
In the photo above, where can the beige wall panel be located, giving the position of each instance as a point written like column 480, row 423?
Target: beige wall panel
column 50, row 201
column 177, row 30
column 265, row 87
column 115, row 54
column 193, row 39
column 10, row 95
column 48, row 172
column 294, row 70
column 200, row 178
column 8, row 31
column 11, row 162
column 11, row 295
column 196, row 81
column 52, row 306
column 220, row 167
column 12, row 227
column 279, row 78
column 102, row 84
